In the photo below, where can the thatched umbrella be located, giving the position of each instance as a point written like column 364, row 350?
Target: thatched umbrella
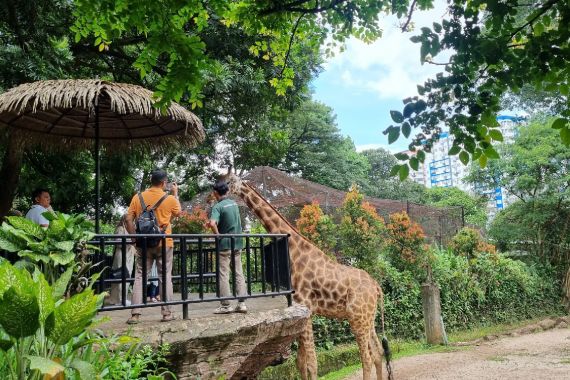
column 63, row 114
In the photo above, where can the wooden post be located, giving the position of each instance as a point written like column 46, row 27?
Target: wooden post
column 432, row 313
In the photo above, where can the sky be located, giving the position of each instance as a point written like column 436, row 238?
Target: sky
column 364, row 82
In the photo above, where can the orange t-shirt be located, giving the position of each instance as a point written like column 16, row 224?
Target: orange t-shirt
column 169, row 208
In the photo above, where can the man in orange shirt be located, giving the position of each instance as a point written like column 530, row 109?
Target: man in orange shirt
column 169, row 208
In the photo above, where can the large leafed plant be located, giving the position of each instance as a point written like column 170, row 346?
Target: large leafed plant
column 61, row 248
column 38, row 326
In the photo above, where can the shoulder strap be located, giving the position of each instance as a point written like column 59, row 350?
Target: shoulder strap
column 159, row 202
column 143, row 205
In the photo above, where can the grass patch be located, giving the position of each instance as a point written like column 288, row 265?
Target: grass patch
column 339, row 375
column 480, row 332
column 565, row 361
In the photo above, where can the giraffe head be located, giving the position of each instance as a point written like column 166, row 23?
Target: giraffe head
column 234, row 183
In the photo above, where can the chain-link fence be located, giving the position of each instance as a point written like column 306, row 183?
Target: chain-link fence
column 289, row 194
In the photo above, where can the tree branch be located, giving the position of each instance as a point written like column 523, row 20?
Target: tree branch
column 404, row 27
column 295, row 9
column 290, row 44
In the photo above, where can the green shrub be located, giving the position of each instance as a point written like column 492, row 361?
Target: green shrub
column 328, row 361
column 493, row 289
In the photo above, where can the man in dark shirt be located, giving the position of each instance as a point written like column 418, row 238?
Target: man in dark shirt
column 225, row 219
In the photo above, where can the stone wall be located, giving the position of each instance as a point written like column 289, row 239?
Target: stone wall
column 234, row 346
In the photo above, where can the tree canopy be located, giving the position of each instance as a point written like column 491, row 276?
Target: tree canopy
column 535, row 171
column 496, row 48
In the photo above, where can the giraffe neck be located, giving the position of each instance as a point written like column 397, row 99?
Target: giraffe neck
column 271, row 219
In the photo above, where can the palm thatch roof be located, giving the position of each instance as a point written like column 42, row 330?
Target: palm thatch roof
column 63, row 113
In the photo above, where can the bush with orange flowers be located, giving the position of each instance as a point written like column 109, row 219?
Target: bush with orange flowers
column 193, row 222
column 360, row 232
column 406, row 244
column 317, row 227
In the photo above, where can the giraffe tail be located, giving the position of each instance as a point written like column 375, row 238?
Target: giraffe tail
column 385, row 345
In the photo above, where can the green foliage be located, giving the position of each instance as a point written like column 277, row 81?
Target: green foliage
column 469, row 243
column 535, row 170
column 360, row 232
column 133, row 361
column 381, row 184
column 495, row 47
column 493, row 288
column 37, row 325
column 406, row 246
column 177, row 33
column 62, row 245
column 474, row 208
column 328, row 361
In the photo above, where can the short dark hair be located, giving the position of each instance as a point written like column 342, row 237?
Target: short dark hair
column 221, row 187
column 37, row 192
column 157, row 176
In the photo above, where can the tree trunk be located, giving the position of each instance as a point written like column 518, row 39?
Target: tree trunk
column 432, row 314
column 10, row 174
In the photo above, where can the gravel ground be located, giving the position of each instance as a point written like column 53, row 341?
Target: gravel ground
column 542, row 355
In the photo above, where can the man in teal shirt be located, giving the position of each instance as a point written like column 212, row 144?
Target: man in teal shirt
column 225, row 219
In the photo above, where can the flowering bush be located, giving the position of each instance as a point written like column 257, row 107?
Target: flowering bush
column 317, row 227
column 360, row 231
column 406, row 245
column 193, row 222
column 469, row 243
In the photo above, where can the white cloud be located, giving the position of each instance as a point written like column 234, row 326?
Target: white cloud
column 389, row 67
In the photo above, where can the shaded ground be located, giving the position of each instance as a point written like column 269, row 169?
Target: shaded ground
column 543, row 355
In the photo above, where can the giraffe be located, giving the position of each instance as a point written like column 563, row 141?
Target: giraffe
column 324, row 286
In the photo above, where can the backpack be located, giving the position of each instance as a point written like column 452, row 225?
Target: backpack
column 147, row 223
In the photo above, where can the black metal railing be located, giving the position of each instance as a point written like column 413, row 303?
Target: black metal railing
column 195, row 268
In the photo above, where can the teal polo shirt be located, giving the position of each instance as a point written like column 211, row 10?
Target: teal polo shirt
column 226, row 215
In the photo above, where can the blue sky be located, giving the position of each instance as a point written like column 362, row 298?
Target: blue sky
column 364, row 82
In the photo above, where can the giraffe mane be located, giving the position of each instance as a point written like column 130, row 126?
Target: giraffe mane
column 280, row 215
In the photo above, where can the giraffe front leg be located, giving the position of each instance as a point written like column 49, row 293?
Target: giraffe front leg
column 306, row 355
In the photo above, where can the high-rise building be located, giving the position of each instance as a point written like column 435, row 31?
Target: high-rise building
column 442, row 170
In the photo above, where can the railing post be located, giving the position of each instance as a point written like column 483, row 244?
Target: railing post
column 233, row 264
column 124, row 271
column 288, row 266
column 201, row 266
column 102, row 253
column 144, row 271
column 248, row 264
column 217, row 267
column 184, row 276
column 262, row 257
column 163, row 270
column 275, row 262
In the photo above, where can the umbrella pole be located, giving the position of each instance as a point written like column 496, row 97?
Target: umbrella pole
column 97, row 170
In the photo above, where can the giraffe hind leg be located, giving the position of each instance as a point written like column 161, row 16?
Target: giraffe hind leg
column 376, row 353
column 363, row 340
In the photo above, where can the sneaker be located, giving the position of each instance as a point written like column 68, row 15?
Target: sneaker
column 241, row 308
column 224, row 310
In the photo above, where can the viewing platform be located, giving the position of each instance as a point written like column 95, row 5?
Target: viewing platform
column 203, row 344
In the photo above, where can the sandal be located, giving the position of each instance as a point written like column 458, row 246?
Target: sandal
column 168, row 318
column 134, row 319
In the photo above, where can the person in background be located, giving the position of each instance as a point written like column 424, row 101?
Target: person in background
column 169, row 208
column 117, row 268
column 225, row 219
column 42, row 203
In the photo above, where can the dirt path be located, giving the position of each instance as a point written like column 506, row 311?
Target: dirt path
column 543, row 355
